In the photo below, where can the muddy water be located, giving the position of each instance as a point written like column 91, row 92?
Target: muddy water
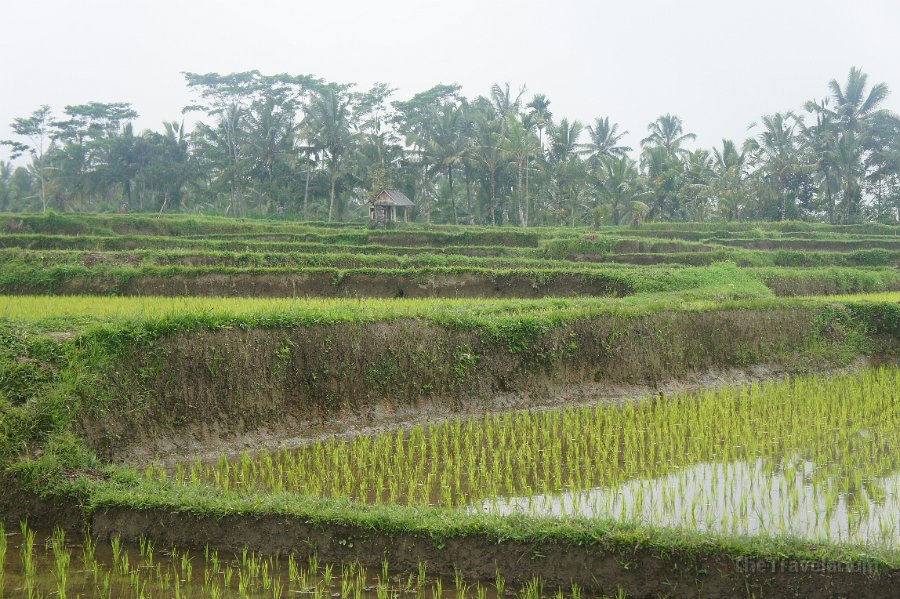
column 812, row 457
column 73, row 567
column 745, row 498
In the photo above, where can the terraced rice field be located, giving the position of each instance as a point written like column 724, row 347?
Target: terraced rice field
column 275, row 409
column 810, row 457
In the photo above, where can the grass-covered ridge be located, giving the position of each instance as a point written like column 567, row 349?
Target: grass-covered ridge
column 62, row 349
column 143, row 364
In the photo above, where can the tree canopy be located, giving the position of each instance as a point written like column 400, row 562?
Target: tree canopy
column 301, row 147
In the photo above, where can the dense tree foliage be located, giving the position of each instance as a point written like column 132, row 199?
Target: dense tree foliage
column 301, row 147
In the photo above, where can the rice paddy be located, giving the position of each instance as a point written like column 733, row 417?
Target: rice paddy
column 811, row 457
column 130, row 345
column 36, row 566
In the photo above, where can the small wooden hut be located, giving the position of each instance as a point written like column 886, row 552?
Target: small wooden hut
column 389, row 206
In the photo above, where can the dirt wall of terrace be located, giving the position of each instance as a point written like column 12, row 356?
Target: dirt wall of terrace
column 502, row 284
column 182, row 391
column 598, row 566
column 641, row 572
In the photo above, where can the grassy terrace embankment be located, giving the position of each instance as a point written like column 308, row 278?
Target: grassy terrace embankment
column 126, row 371
column 347, row 274
column 88, row 384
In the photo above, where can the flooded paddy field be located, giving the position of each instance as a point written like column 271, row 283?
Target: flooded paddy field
column 552, row 411
column 41, row 565
column 811, row 457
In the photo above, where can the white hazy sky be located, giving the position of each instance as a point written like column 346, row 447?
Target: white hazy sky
column 717, row 64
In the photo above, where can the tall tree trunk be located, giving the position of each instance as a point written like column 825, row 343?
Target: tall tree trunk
column 493, row 198
column 469, row 196
column 306, row 189
column 425, row 204
column 527, row 196
column 520, row 188
column 452, row 197
column 43, row 192
column 331, row 198
column 574, row 207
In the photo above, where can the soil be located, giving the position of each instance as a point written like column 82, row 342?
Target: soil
column 353, row 284
column 187, row 390
column 291, row 434
column 640, row 572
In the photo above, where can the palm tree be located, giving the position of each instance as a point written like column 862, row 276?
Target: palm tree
column 604, row 140
column 852, row 139
column 564, row 163
column 328, row 122
column 488, row 151
column 818, row 146
column 619, row 187
column 854, row 109
column 730, row 168
column 447, row 144
column 776, row 152
column 697, row 177
column 504, row 102
column 667, row 132
column 269, row 136
column 564, row 139
column 520, row 144
column 539, row 111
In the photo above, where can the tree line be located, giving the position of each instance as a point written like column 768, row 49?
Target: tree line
column 300, row 147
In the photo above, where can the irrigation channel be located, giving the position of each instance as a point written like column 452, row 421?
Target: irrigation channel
column 811, row 457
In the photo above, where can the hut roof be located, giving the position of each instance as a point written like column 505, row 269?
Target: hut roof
column 393, row 197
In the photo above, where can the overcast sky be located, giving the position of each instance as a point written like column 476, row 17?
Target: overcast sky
column 718, row 65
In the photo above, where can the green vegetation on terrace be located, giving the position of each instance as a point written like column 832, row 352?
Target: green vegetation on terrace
column 71, row 223
column 654, row 290
column 120, row 488
column 83, row 566
column 50, row 380
column 84, row 376
column 130, row 242
column 780, row 451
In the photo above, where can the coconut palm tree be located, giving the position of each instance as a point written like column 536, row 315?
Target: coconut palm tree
column 539, row 111
column 854, row 119
column 667, row 132
column 565, row 165
column 776, row 151
column 328, row 123
column 447, row 144
column 697, row 177
column 504, row 102
column 520, row 143
column 604, row 138
column 730, row 168
column 620, row 185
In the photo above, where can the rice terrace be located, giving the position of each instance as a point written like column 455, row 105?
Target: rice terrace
column 626, row 326
column 212, row 407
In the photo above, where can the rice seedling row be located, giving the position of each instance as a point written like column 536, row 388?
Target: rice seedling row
column 38, row 566
column 812, row 457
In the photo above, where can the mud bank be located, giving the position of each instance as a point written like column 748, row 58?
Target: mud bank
column 345, row 425
column 640, row 572
column 334, row 283
column 597, row 564
column 184, row 390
